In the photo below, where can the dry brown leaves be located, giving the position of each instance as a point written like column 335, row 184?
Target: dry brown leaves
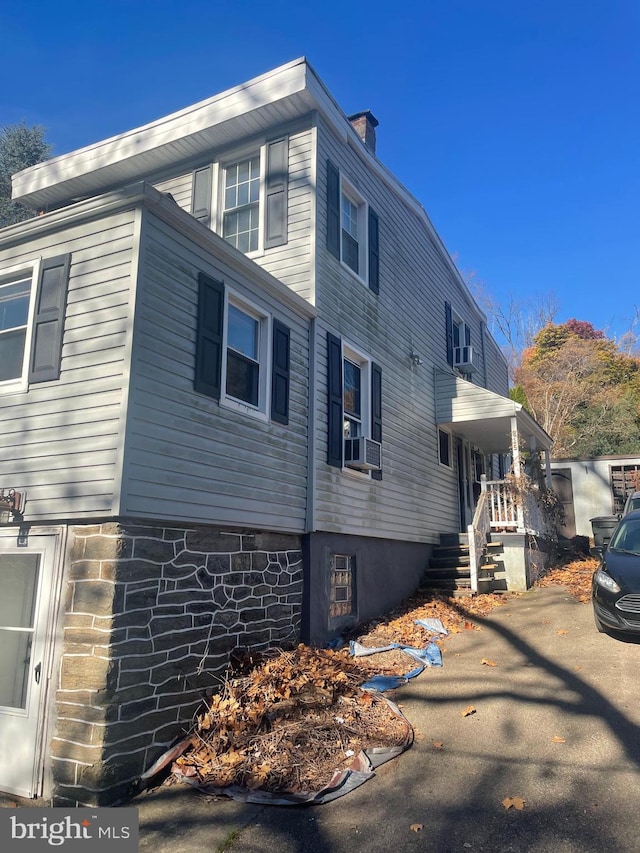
column 286, row 721
column 399, row 626
column 575, row 577
column 289, row 723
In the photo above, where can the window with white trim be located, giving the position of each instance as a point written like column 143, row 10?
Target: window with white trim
column 354, row 409
column 32, row 311
column 243, row 354
column 461, row 332
column 353, row 230
column 356, row 383
column 246, row 356
column 244, row 196
column 15, row 299
column 241, row 203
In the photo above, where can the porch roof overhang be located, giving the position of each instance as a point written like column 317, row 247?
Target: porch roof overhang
column 483, row 417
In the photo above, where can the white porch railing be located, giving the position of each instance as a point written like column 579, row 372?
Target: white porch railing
column 478, row 534
column 501, row 508
column 511, row 510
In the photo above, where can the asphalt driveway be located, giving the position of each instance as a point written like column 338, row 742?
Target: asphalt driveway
column 556, row 724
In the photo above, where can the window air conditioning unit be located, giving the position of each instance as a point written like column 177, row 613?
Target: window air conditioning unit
column 363, row 453
column 466, row 359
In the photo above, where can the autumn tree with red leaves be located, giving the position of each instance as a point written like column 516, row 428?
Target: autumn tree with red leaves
column 582, row 389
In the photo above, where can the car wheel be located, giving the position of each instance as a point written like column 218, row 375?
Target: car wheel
column 599, row 625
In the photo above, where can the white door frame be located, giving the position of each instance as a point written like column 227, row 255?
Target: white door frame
column 51, row 541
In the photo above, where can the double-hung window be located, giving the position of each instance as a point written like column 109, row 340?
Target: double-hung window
column 354, row 434
column 353, row 233
column 242, row 353
column 460, row 353
column 461, row 333
column 15, row 297
column 32, row 309
column 352, row 229
column 241, row 216
column 245, row 355
column 353, row 374
column 244, row 197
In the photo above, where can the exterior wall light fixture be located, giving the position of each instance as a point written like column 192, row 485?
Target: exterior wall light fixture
column 11, row 504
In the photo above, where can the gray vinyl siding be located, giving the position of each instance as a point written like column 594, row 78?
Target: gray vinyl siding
column 291, row 262
column 496, row 366
column 60, row 440
column 180, row 188
column 189, row 457
column 417, row 498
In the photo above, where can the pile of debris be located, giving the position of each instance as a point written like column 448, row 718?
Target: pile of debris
column 289, row 725
column 296, row 723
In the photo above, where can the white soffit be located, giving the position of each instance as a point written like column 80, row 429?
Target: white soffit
column 279, row 96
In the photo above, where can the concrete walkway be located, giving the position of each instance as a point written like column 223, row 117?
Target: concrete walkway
column 556, row 723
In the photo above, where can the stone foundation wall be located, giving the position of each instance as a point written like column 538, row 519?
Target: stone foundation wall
column 151, row 616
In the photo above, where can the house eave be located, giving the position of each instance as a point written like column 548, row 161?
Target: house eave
column 284, row 94
column 219, row 121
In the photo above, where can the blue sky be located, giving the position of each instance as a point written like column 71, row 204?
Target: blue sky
column 516, row 125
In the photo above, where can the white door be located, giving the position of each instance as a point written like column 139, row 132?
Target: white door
column 26, row 580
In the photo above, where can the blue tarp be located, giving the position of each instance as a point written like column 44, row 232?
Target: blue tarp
column 429, row 656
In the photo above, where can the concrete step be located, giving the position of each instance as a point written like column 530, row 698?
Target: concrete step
column 449, row 539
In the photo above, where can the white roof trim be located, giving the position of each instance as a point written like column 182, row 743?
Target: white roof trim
column 154, row 146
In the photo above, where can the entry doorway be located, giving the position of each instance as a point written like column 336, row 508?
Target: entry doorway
column 465, row 490
column 27, row 578
column 562, row 485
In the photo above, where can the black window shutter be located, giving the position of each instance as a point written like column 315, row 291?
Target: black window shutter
column 467, row 336
column 277, row 179
column 333, row 209
column 201, row 195
column 335, row 426
column 48, row 327
column 209, row 336
column 281, row 373
column 449, row 331
column 376, row 410
column 374, row 253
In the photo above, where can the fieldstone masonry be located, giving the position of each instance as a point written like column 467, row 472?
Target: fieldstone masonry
column 152, row 614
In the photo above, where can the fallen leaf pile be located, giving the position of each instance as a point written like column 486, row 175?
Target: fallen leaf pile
column 574, row 576
column 286, row 721
column 289, row 724
column 399, row 625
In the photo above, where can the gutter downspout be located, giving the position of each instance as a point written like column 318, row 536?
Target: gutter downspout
column 310, row 520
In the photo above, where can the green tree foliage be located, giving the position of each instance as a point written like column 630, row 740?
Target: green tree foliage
column 582, row 389
column 20, row 147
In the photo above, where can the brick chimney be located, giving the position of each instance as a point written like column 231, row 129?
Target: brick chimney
column 365, row 124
